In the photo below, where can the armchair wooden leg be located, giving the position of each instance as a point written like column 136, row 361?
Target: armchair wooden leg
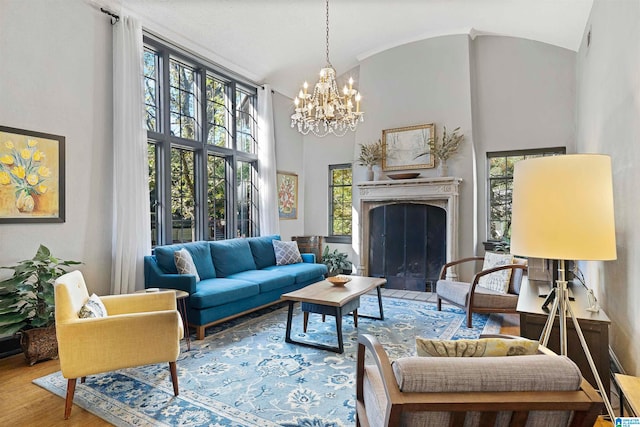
column 174, row 377
column 68, row 403
column 469, row 318
column 82, row 380
column 439, row 304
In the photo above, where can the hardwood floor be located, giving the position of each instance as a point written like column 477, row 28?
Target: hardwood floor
column 23, row 403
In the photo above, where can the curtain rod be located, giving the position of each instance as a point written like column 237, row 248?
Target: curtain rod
column 114, row 18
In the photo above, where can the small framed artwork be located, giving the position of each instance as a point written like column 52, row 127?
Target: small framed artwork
column 287, row 183
column 408, row 148
column 31, row 176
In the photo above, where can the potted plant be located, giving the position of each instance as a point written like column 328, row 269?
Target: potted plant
column 370, row 155
column 27, row 304
column 336, row 261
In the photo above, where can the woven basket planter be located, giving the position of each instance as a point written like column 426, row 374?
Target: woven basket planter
column 39, row 344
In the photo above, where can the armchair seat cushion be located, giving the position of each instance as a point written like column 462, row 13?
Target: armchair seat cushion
column 457, row 293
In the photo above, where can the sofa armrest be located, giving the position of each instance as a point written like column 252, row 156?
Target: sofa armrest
column 154, row 277
column 310, row 258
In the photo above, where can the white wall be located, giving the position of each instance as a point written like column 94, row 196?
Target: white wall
column 289, row 155
column 608, row 122
column 523, row 97
column 56, row 78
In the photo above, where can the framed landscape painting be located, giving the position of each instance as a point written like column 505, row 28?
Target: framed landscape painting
column 31, row 176
column 287, row 195
column 408, row 148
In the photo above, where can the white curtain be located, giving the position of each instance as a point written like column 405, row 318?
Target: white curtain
column 269, row 221
column 131, row 238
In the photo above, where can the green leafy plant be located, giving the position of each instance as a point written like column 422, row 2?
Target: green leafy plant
column 26, row 298
column 335, row 261
column 370, row 154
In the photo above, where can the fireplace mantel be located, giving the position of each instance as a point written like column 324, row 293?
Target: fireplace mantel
column 442, row 192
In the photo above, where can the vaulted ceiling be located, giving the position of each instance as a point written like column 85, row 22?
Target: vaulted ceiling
column 282, row 42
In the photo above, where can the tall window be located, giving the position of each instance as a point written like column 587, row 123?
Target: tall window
column 202, row 148
column 340, row 201
column 500, row 187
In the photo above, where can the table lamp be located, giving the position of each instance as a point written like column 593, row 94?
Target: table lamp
column 563, row 210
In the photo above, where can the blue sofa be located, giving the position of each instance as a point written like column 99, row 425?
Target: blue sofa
column 236, row 276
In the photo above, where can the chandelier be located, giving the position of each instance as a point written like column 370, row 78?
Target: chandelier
column 325, row 110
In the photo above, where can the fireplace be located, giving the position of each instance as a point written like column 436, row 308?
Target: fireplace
column 416, row 204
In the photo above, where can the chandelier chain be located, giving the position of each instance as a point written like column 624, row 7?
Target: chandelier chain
column 328, row 63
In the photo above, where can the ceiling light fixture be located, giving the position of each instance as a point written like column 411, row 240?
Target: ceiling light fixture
column 325, row 110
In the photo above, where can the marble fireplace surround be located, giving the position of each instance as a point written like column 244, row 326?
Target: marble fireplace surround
column 441, row 192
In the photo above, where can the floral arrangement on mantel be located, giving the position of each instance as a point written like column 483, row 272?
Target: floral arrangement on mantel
column 448, row 144
column 370, row 154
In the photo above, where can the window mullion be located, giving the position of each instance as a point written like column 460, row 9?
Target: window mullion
column 164, row 170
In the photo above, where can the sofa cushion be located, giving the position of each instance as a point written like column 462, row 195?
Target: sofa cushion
column 220, row 291
column 268, row 280
column 231, row 256
column 184, row 263
column 498, row 281
column 200, row 253
column 303, row 272
column 539, row 372
column 262, row 250
column 286, row 252
column 483, row 347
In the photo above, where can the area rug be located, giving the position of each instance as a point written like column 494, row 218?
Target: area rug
column 244, row 374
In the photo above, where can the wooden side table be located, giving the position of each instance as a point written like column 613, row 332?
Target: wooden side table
column 630, row 391
column 181, row 302
column 595, row 328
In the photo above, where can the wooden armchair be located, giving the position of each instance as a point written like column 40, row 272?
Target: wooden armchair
column 477, row 299
column 139, row 329
column 543, row 390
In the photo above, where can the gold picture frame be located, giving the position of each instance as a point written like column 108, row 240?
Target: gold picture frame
column 31, row 176
column 408, row 147
column 287, row 184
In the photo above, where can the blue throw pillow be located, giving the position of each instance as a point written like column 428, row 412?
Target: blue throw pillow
column 231, row 256
column 262, row 250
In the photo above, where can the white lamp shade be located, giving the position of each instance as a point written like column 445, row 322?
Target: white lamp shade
column 563, row 208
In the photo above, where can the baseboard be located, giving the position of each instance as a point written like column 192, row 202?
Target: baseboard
column 9, row 346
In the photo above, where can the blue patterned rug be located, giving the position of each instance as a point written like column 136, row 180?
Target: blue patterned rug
column 244, row 374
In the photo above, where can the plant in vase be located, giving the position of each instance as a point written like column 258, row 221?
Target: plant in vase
column 445, row 147
column 27, row 301
column 336, row 261
column 370, row 155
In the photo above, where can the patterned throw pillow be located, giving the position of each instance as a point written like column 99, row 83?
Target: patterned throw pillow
column 498, row 281
column 483, row 347
column 286, row 252
column 184, row 263
column 93, row 308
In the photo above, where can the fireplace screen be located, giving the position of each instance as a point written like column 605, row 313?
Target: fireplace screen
column 407, row 245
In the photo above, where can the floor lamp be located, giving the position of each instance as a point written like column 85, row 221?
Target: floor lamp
column 563, row 210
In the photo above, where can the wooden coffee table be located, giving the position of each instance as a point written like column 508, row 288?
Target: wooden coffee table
column 324, row 298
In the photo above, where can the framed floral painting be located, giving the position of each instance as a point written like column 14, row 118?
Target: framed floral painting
column 287, row 183
column 31, row 176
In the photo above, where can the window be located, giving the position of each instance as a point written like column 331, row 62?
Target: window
column 500, row 187
column 340, row 188
column 201, row 134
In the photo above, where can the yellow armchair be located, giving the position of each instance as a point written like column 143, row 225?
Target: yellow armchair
column 140, row 329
